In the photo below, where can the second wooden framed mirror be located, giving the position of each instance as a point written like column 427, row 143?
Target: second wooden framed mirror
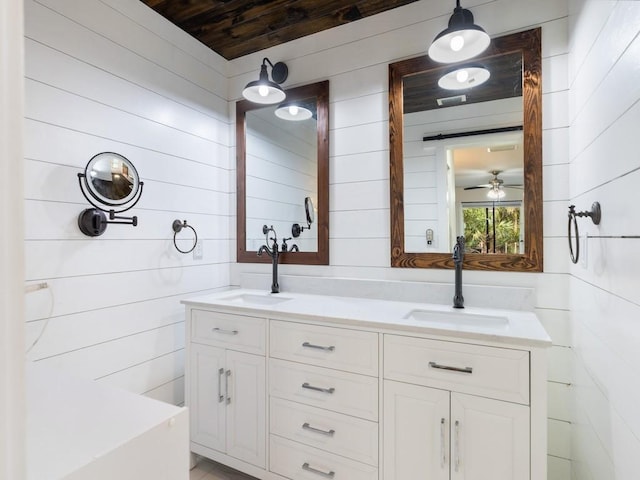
column 449, row 171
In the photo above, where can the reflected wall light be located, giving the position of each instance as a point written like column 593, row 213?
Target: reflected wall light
column 264, row 90
column 464, row 78
column 293, row 112
column 461, row 40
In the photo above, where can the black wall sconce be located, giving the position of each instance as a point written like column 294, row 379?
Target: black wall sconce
column 264, row 90
column 111, row 184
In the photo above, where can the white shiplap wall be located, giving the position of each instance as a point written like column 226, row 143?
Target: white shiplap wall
column 604, row 74
column 111, row 75
column 355, row 59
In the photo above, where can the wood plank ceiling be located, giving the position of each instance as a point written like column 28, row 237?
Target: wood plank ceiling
column 234, row 28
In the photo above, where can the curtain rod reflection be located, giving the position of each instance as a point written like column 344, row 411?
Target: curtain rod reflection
column 444, row 136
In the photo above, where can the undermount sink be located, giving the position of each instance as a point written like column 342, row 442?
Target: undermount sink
column 453, row 319
column 252, row 299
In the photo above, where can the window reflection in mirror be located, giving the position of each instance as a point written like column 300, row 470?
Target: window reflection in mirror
column 475, row 151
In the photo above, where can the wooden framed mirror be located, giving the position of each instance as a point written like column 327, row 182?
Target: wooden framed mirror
column 429, row 161
column 282, row 168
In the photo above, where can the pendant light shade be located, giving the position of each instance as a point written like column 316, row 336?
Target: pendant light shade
column 293, row 112
column 462, row 39
column 464, row 77
column 264, row 90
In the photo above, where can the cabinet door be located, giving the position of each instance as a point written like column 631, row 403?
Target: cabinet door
column 206, row 396
column 246, row 407
column 416, row 432
column 489, row 439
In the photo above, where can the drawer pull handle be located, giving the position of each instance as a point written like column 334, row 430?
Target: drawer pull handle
column 452, row 369
column 220, row 395
column 226, row 332
column 443, row 455
column 318, row 389
column 329, row 433
column 457, row 445
column 319, row 347
column 308, row 468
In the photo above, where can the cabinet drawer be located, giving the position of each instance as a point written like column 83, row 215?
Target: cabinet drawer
column 342, row 392
column 237, row 332
column 333, row 432
column 486, row 371
column 294, row 460
column 339, row 348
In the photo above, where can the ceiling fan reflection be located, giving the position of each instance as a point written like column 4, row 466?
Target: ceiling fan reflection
column 495, row 183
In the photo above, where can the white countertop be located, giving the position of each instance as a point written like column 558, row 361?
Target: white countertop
column 503, row 326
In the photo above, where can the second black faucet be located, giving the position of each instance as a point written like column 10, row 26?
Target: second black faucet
column 458, row 258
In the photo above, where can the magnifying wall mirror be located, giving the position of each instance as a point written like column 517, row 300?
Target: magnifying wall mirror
column 111, row 184
column 111, row 179
column 469, row 161
column 282, row 172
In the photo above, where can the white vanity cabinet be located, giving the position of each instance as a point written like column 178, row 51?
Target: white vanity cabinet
column 475, row 435
column 305, row 387
column 226, row 389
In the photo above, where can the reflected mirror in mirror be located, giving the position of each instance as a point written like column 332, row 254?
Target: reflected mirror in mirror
column 309, row 210
column 468, row 162
column 282, row 168
column 111, row 179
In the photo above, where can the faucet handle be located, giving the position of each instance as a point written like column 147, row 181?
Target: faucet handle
column 285, row 247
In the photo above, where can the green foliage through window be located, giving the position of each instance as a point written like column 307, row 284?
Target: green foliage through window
column 492, row 229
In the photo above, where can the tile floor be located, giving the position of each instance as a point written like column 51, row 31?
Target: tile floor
column 207, row 470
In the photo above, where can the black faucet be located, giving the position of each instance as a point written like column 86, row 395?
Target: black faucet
column 458, row 257
column 274, row 253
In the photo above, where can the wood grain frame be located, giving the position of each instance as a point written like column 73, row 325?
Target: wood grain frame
column 320, row 91
column 529, row 44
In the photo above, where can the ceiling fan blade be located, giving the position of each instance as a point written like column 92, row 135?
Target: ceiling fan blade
column 486, row 185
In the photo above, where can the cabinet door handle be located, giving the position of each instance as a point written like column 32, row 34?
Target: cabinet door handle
column 452, row 369
column 329, row 433
column 319, row 347
column 443, row 458
column 220, row 395
column 457, row 445
column 226, row 386
column 318, row 389
column 226, row 332
column 331, row 474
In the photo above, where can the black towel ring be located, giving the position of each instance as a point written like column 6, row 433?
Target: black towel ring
column 177, row 227
column 595, row 213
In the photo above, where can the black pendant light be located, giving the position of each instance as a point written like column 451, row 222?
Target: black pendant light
column 461, row 40
column 264, row 90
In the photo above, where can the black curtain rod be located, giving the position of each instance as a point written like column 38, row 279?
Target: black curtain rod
column 444, row 136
